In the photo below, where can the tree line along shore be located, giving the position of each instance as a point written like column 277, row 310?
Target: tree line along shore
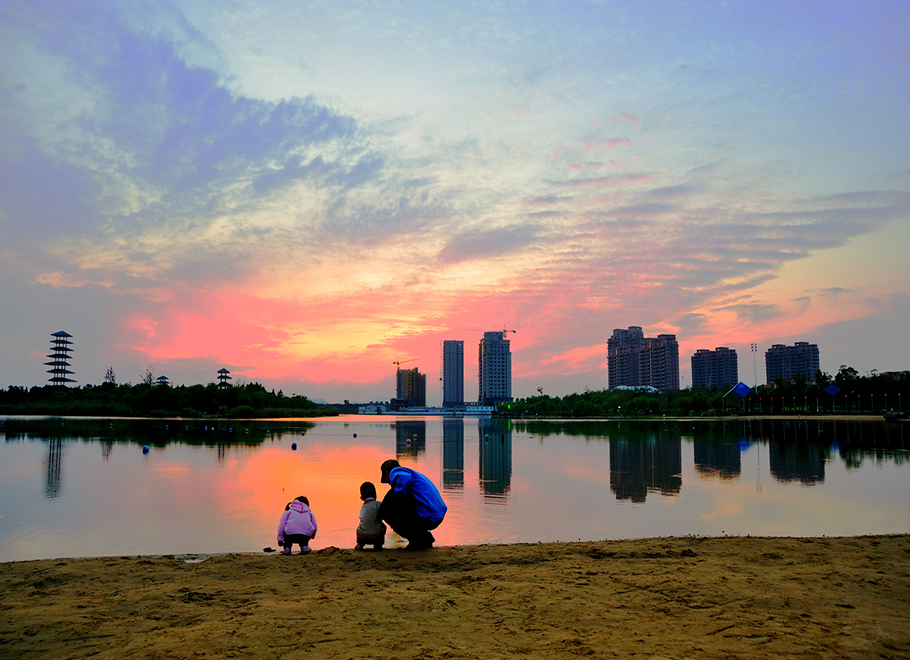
column 856, row 395
column 247, row 401
column 864, row 395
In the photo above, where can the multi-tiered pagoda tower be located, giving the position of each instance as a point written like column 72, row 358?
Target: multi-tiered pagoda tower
column 224, row 377
column 61, row 347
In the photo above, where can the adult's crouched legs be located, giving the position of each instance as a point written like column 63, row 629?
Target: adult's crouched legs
column 400, row 512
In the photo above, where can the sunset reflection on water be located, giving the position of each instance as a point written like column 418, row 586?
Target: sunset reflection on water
column 88, row 490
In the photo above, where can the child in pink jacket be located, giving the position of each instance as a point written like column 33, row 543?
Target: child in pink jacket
column 298, row 525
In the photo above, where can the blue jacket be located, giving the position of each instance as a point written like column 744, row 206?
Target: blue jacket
column 429, row 501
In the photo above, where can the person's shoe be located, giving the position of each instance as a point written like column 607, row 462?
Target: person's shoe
column 305, row 549
column 414, row 546
column 287, row 550
column 359, row 546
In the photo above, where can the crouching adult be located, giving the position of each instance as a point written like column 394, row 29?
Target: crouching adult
column 413, row 505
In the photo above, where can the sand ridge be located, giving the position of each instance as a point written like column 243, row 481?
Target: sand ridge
column 738, row 597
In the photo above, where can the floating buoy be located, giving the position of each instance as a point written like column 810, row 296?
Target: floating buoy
column 166, row 426
column 267, row 432
column 293, row 446
column 145, row 449
column 355, row 435
column 187, row 427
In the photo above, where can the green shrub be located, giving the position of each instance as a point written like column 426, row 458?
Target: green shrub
column 241, row 411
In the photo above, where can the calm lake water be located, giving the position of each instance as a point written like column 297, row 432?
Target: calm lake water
column 72, row 487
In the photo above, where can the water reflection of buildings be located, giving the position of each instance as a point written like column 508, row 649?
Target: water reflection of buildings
column 54, row 467
column 797, row 451
column 797, row 462
column 410, row 438
column 495, row 456
column 637, row 466
column 718, row 457
column 452, row 454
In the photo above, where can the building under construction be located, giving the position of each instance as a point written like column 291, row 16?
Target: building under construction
column 411, row 389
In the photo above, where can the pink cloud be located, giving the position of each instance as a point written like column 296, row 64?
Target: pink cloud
column 612, row 143
column 556, row 153
column 592, row 165
column 583, row 358
column 331, row 344
column 624, row 117
column 606, row 266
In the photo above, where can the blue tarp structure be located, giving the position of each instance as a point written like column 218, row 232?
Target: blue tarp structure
column 832, row 389
column 742, row 390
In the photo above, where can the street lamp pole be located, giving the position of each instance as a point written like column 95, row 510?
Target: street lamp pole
column 754, row 370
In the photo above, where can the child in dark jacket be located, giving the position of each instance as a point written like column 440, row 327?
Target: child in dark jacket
column 298, row 525
column 371, row 530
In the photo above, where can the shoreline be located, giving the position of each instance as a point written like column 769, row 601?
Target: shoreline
column 669, row 597
column 833, row 417
column 199, row 557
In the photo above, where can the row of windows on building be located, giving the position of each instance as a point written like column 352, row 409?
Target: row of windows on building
column 634, row 360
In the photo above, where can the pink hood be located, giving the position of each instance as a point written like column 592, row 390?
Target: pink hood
column 297, row 520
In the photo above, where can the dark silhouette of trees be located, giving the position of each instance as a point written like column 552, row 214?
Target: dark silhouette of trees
column 869, row 394
column 157, row 400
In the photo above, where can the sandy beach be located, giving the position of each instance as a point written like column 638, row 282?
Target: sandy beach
column 653, row 598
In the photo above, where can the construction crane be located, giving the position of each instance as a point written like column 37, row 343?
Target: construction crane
column 401, row 362
column 505, row 330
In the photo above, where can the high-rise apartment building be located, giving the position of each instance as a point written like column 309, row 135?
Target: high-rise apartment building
column 452, row 374
column 411, row 389
column 494, row 369
column 788, row 362
column 635, row 360
column 717, row 368
column 622, row 349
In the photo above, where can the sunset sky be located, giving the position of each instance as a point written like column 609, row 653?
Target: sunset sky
column 304, row 192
